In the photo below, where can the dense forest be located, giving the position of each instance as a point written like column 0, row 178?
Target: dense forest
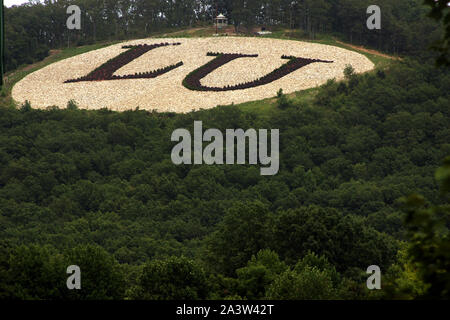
column 362, row 177
column 32, row 29
column 100, row 185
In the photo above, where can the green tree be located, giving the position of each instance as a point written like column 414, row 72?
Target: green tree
column 243, row 232
column 176, row 278
column 33, row 272
column 259, row 273
column 308, row 284
column 441, row 12
column 429, row 237
column 101, row 276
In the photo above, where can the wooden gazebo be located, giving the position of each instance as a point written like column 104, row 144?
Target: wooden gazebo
column 221, row 21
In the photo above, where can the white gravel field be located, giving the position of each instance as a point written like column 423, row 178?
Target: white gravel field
column 46, row 86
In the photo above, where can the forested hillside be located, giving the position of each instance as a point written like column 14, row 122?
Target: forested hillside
column 32, row 29
column 99, row 187
column 362, row 177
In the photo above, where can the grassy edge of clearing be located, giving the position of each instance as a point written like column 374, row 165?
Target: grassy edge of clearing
column 263, row 107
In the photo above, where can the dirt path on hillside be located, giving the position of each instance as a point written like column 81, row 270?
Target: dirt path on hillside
column 188, row 31
column 371, row 51
column 211, row 30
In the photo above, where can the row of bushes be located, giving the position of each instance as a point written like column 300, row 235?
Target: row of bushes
column 106, row 70
column 288, row 57
column 150, row 74
column 216, row 54
column 165, row 44
column 192, row 81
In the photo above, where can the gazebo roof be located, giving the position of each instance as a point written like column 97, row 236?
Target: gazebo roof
column 221, row 16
